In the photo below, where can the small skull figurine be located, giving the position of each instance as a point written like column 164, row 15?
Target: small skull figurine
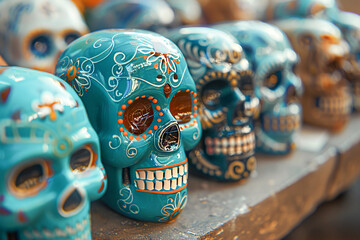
column 277, row 87
column 33, row 33
column 327, row 100
column 141, row 99
column 50, row 164
column 282, row 9
column 226, row 102
column 349, row 24
column 154, row 15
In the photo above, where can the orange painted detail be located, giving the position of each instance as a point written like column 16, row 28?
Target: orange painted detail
column 161, row 114
column 195, row 114
column 101, row 187
column 181, row 128
column 163, row 167
column 120, row 113
column 195, row 108
column 154, row 100
column 121, row 129
column 195, row 100
column 120, row 121
column 163, row 192
column 195, row 121
column 159, row 120
column 21, row 216
column 51, row 107
column 138, row 138
column 150, row 98
column 192, row 124
column 105, row 176
column 191, row 92
column 156, row 127
column 143, row 96
column 130, row 101
column 123, row 106
column 125, row 134
column 71, row 73
column 150, row 131
column 5, row 94
column 187, row 90
column 144, row 136
column 158, row 108
column 137, row 98
column 195, row 94
column 179, row 91
column 131, row 138
column 186, row 126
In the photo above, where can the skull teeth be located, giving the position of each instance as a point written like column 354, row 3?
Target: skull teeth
column 78, row 229
column 281, row 123
column 233, row 145
column 335, row 105
column 169, row 179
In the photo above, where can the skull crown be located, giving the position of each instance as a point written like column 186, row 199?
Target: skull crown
column 141, row 99
column 227, row 102
column 49, row 158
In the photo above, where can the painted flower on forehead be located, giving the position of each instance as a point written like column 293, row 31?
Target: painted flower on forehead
column 142, row 101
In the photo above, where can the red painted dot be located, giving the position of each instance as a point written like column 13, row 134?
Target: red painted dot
column 150, row 98
column 181, row 128
column 187, row 90
column 138, row 138
column 125, row 134
column 137, row 98
column 195, row 114
column 143, row 96
column 159, row 120
column 144, row 136
column 161, row 114
column 155, row 101
column 120, row 113
column 195, row 94
column 156, row 127
column 123, row 106
column 150, row 131
column 130, row 101
column 131, row 138
column 195, row 100
column 186, row 126
column 195, row 108
column 158, row 108
column 121, row 129
column 120, row 121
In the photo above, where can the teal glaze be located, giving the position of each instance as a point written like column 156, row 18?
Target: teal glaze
column 270, row 54
column 227, row 102
column 283, row 9
column 154, row 15
column 33, row 33
column 327, row 100
column 43, row 123
column 112, row 70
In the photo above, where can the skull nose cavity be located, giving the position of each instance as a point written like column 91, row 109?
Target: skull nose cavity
column 291, row 95
column 169, row 139
column 72, row 202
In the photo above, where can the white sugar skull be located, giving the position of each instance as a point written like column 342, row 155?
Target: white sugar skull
column 50, row 168
column 141, row 99
column 33, row 33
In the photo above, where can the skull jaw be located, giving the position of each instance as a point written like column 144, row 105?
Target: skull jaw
column 74, row 227
column 327, row 114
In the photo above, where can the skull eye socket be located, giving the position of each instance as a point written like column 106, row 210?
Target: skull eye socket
column 273, row 80
column 246, row 85
column 41, row 46
column 81, row 159
column 212, row 93
column 181, row 107
column 30, row 179
column 70, row 37
column 138, row 116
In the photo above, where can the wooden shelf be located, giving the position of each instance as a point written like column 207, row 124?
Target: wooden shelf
column 281, row 193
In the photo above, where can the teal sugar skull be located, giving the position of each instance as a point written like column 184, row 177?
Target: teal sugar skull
column 33, row 33
column 277, row 87
column 327, row 100
column 154, row 15
column 141, row 99
column 282, row 9
column 349, row 24
column 226, row 102
column 50, row 166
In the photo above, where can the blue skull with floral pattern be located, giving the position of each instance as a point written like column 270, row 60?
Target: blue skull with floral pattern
column 227, row 102
column 277, row 87
column 282, row 9
column 141, row 99
column 50, row 166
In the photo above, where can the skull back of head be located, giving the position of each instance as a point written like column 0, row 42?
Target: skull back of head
column 50, row 164
column 327, row 100
column 34, row 33
column 155, row 15
column 277, row 87
column 226, row 102
column 141, row 99
column 349, row 24
column 283, row 9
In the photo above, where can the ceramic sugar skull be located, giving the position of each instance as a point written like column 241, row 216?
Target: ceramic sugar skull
column 154, row 15
column 141, row 99
column 50, row 166
column 349, row 24
column 33, row 33
column 186, row 11
column 226, row 102
column 282, row 9
column 277, row 87
column 327, row 99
